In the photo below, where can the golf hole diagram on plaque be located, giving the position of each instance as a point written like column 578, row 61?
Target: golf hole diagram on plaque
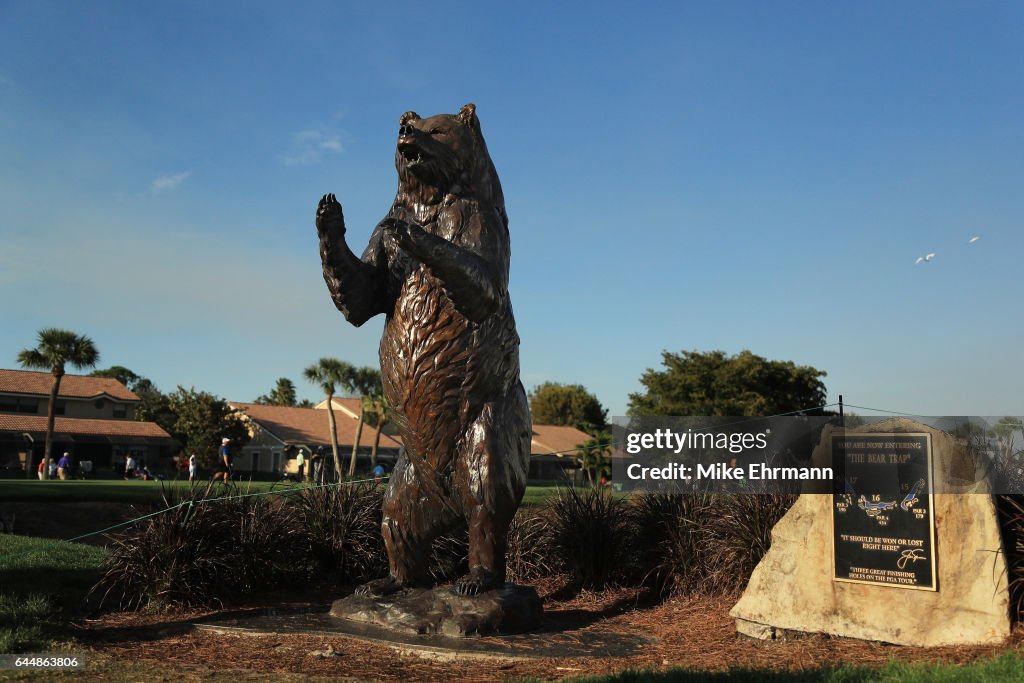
column 883, row 522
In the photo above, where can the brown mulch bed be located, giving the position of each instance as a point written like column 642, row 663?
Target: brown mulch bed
column 690, row 632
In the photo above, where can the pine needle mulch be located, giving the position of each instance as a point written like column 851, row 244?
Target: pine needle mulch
column 692, row 632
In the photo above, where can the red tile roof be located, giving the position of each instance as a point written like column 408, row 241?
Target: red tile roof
column 550, row 439
column 310, row 426
column 71, row 386
column 36, row 424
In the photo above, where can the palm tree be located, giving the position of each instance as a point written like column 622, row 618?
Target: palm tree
column 56, row 349
column 327, row 374
column 362, row 382
column 593, row 457
column 379, row 412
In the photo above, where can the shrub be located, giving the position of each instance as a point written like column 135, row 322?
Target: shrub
column 530, row 547
column 201, row 551
column 449, row 556
column 738, row 535
column 340, row 528
column 1011, row 517
column 669, row 540
column 267, row 546
column 588, row 535
column 527, row 556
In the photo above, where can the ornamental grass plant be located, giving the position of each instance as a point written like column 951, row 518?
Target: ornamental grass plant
column 1011, row 520
column 202, row 549
column 339, row 530
column 590, row 536
column 209, row 546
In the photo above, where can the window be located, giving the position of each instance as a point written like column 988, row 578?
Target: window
column 60, row 407
column 14, row 404
column 120, row 410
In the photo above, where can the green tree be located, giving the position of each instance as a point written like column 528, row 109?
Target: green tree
column 572, row 405
column 328, row 373
column 712, row 383
column 120, row 373
column 1004, row 433
column 154, row 405
column 594, row 457
column 283, row 394
column 202, row 420
column 56, row 349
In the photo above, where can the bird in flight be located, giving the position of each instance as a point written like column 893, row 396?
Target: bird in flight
column 974, row 239
column 925, row 259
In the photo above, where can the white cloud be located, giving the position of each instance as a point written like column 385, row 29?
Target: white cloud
column 170, row 181
column 309, row 146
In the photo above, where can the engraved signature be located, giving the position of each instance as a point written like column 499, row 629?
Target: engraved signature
column 910, row 555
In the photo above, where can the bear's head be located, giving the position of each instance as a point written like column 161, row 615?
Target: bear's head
column 445, row 154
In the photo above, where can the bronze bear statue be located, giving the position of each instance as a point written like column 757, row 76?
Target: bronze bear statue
column 437, row 267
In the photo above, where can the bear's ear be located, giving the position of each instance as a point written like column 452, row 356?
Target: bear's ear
column 407, row 117
column 467, row 114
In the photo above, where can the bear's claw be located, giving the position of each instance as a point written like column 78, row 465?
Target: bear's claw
column 478, row 580
column 378, row 588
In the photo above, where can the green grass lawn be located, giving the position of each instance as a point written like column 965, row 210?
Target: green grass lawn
column 536, row 495
column 1007, row 667
column 43, row 582
column 104, row 490
column 142, row 492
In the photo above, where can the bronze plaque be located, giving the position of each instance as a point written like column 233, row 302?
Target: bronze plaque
column 883, row 521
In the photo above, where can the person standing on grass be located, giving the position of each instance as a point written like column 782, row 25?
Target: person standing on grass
column 64, row 466
column 193, row 467
column 224, row 461
column 317, row 465
column 300, row 460
column 129, row 467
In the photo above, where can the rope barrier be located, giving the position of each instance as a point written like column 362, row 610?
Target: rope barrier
column 879, row 410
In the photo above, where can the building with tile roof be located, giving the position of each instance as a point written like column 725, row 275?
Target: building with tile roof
column 280, row 432
column 95, row 422
column 553, row 452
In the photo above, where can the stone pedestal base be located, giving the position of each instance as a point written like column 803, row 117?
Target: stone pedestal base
column 793, row 588
column 506, row 610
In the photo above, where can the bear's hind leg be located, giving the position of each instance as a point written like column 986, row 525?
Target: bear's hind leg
column 415, row 513
column 490, row 481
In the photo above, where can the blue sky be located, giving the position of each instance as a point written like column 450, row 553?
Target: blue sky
column 728, row 175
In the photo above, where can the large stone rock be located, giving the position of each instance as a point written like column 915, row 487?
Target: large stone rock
column 792, row 589
column 507, row 610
